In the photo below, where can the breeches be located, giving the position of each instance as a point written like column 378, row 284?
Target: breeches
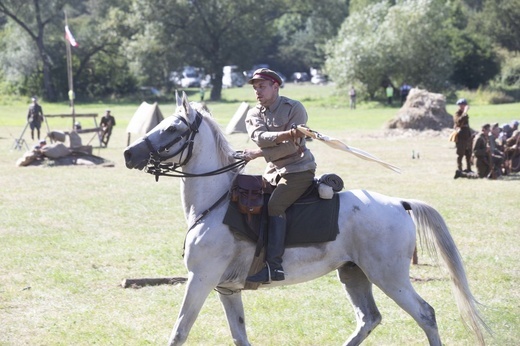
column 289, row 188
column 35, row 126
column 464, row 148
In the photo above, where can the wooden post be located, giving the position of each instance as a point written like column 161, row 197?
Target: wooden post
column 141, row 282
column 69, row 75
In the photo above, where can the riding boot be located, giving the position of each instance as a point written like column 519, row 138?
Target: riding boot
column 273, row 270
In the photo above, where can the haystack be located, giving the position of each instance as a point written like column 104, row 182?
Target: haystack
column 422, row 111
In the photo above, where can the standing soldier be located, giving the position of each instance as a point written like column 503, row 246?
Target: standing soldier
column 352, row 94
column 107, row 123
column 35, row 117
column 463, row 141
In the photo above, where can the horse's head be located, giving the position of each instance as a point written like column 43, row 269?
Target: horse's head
column 170, row 140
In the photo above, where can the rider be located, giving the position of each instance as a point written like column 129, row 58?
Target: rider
column 290, row 165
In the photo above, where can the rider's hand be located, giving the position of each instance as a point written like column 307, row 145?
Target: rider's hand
column 251, row 154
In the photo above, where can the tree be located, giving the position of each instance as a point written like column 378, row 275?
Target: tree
column 385, row 43
column 473, row 51
column 214, row 33
column 303, row 32
column 101, row 65
column 475, row 62
column 34, row 18
column 501, row 21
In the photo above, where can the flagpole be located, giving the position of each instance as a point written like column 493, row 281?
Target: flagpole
column 69, row 75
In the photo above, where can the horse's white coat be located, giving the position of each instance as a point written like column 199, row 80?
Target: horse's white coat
column 374, row 246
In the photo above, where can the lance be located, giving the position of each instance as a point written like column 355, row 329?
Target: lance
column 337, row 144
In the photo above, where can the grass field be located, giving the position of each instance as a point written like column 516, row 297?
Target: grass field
column 69, row 235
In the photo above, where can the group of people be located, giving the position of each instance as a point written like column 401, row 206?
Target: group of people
column 35, row 119
column 496, row 148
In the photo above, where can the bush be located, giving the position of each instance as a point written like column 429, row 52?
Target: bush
column 510, row 71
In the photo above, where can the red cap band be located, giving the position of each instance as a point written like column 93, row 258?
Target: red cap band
column 265, row 76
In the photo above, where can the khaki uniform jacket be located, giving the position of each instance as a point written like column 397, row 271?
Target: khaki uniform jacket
column 480, row 147
column 262, row 126
column 35, row 114
column 462, row 121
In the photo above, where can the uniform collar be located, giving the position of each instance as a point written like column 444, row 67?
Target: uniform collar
column 275, row 105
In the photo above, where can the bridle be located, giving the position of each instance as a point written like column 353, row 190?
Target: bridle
column 156, row 167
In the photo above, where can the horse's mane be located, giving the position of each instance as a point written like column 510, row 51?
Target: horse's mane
column 226, row 152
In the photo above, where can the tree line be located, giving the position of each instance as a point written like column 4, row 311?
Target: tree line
column 125, row 44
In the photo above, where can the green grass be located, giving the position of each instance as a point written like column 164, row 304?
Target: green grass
column 69, row 235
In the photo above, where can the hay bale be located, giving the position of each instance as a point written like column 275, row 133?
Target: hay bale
column 422, row 111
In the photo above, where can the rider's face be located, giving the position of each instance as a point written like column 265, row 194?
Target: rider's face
column 266, row 92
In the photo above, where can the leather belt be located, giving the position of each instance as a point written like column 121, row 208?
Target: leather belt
column 300, row 151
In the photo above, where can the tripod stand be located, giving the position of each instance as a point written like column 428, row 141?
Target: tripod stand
column 20, row 142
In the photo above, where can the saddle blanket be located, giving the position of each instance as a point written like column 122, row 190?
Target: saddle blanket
column 312, row 220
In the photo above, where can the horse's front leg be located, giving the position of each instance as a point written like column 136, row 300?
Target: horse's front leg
column 198, row 288
column 234, row 309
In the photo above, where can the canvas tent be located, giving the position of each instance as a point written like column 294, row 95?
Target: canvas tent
column 237, row 124
column 145, row 118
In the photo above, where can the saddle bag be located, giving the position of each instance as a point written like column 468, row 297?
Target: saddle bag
column 248, row 193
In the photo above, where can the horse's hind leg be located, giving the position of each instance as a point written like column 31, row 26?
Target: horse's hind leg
column 395, row 283
column 234, row 309
column 359, row 291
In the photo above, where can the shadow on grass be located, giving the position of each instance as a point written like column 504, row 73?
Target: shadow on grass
column 414, row 279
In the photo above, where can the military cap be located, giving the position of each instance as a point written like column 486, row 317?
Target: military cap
column 461, row 102
column 265, row 74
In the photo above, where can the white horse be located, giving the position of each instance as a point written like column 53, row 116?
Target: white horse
column 376, row 239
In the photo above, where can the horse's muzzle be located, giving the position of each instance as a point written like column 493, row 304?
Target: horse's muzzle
column 135, row 158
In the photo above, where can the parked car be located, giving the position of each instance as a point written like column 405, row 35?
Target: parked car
column 190, row 80
column 300, row 77
column 232, row 77
column 318, row 79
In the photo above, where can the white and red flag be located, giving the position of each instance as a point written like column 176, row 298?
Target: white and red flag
column 69, row 37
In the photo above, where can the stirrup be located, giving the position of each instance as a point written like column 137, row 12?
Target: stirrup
column 259, row 277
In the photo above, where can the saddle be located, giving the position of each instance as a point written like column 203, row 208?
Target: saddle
column 311, row 219
column 247, row 192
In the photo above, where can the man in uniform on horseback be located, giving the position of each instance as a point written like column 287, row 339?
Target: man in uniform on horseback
column 290, row 165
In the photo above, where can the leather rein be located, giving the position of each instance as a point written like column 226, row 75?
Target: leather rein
column 157, row 168
column 170, row 169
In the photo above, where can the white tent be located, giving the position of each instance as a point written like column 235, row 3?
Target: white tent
column 145, row 118
column 237, row 124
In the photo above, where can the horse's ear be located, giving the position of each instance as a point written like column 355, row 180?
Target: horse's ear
column 178, row 99
column 186, row 104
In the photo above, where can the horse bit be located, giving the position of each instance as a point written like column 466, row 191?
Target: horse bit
column 157, row 168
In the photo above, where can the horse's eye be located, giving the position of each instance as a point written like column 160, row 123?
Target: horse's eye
column 171, row 128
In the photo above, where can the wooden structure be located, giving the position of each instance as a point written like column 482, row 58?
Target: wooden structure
column 95, row 129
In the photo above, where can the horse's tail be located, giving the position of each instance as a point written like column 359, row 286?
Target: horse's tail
column 436, row 238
